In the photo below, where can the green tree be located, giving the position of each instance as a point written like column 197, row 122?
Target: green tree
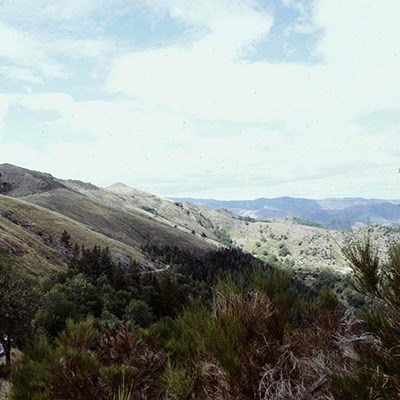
column 74, row 299
column 65, row 239
column 18, row 305
column 139, row 313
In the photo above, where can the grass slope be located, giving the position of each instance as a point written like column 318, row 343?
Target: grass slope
column 31, row 234
column 129, row 226
column 309, row 246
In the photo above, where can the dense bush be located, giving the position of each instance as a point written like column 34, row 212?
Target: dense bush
column 223, row 326
column 376, row 372
column 225, row 348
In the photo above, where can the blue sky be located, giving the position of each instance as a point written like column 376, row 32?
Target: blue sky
column 206, row 98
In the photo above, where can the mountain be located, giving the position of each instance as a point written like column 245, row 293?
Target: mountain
column 343, row 213
column 35, row 208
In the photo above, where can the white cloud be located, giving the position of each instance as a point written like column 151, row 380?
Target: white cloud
column 158, row 125
column 20, row 74
column 167, row 155
column 49, row 9
column 359, row 32
column 3, row 113
column 23, row 50
column 318, row 103
column 33, row 57
column 215, row 85
column 60, row 102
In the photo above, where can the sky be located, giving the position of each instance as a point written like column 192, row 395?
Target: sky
column 205, row 98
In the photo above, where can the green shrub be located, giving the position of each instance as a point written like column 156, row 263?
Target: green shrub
column 283, row 250
column 116, row 378
column 376, row 374
column 179, row 385
column 29, row 382
column 223, row 237
column 123, row 394
column 328, row 299
column 139, row 313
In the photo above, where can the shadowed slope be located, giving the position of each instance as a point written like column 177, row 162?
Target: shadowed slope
column 128, row 226
column 32, row 235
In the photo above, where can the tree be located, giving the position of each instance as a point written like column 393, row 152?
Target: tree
column 18, row 305
column 139, row 313
column 65, row 239
column 76, row 299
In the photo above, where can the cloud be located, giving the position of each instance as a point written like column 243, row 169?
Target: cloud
column 246, row 25
column 3, row 113
column 319, row 105
column 60, row 102
column 37, row 59
column 358, row 32
column 159, row 150
column 23, row 50
column 49, row 9
column 20, row 74
column 201, row 114
column 205, row 81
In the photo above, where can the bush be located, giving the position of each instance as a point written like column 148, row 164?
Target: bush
column 179, row 384
column 223, row 237
column 139, row 313
column 283, row 250
column 376, row 374
column 328, row 299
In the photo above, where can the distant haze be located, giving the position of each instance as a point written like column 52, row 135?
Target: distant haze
column 206, row 99
column 336, row 213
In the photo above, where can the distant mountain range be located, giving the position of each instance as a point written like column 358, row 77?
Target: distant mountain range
column 340, row 213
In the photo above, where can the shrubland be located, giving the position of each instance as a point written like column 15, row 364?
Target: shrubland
column 220, row 326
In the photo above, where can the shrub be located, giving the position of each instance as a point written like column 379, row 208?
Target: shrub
column 223, row 237
column 139, row 313
column 376, row 372
column 179, row 385
column 283, row 250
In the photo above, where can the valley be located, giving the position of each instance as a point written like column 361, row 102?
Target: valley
column 35, row 208
column 146, row 297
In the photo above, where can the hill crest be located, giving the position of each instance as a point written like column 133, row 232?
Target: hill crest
column 18, row 182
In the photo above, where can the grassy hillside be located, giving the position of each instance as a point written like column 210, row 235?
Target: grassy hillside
column 128, row 226
column 295, row 242
column 129, row 219
column 32, row 235
column 37, row 208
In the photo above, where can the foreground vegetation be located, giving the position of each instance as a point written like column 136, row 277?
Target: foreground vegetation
column 223, row 326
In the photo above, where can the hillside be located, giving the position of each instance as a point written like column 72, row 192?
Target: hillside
column 179, row 239
column 308, row 245
column 36, row 207
column 32, row 234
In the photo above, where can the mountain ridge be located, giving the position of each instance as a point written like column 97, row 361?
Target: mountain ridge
column 127, row 220
column 37, row 207
column 337, row 213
